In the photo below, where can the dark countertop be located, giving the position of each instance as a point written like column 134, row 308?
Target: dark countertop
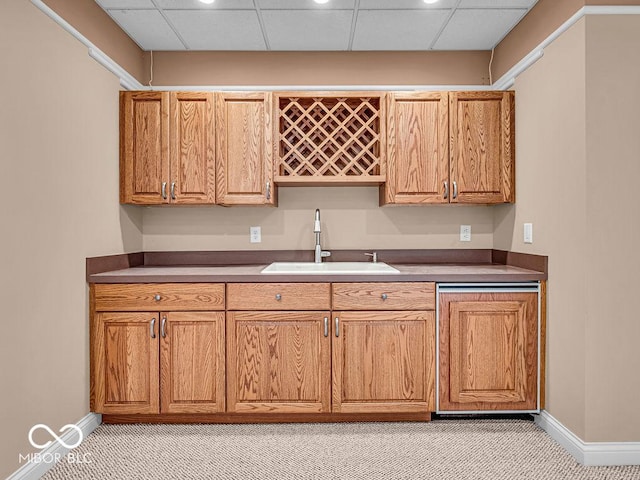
column 251, row 273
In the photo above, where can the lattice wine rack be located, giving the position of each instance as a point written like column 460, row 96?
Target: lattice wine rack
column 330, row 139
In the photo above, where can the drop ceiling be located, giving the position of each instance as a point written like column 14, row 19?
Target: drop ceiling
column 303, row 25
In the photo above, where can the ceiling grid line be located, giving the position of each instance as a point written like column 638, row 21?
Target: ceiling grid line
column 171, row 25
column 444, row 25
column 256, row 5
column 354, row 21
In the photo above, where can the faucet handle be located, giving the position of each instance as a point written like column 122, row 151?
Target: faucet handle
column 374, row 256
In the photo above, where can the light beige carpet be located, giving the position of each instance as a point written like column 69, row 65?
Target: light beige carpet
column 442, row 449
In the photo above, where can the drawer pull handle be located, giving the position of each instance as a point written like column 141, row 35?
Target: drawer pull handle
column 157, row 297
column 278, row 297
column 152, row 328
column 326, row 326
column 337, row 327
column 163, row 327
column 383, row 296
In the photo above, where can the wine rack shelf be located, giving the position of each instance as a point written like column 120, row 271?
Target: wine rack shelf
column 330, row 139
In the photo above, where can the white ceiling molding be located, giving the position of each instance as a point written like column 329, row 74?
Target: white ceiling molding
column 508, row 79
column 128, row 82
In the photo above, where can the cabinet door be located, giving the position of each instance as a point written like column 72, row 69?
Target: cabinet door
column 125, row 363
column 244, row 150
column 383, row 362
column 482, row 131
column 488, row 351
column 418, row 148
column 192, row 362
column 192, row 148
column 144, row 147
column 278, row 362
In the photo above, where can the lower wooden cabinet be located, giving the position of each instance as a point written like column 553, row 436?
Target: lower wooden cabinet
column 374, row 354
column 157, row 362
column 488, row 351
column 192, row 363
column 278, row 362
column 125, row 363
column 384, row 362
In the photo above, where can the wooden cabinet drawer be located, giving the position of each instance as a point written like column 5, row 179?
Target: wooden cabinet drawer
column 278, row 296
column 384, row 296
column 132, row 297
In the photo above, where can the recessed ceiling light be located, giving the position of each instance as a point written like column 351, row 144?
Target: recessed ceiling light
column 321, row 1
column 208, row 2
column 428, row 2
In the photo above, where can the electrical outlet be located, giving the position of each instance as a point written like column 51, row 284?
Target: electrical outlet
column 465, row 233
column 255, row 235
column 528, row 233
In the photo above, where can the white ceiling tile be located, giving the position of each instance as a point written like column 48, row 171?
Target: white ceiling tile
column 308, row 29
column 497, row 3
column 218, row 29
column 125, row 4
column 397, row 29
column 404, row 4
column 197, row 5
column 477, row 29
column 305, row 4
column 148, row 28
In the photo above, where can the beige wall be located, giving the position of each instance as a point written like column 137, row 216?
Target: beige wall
column 94, row 23
column 59, row 137
column 351, row 218
column 321, row 68
column 551, row 193
column 613, row 207
column 578, row 146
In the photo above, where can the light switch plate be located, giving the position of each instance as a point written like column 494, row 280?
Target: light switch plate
column 255, row 234
column 465, row 233
column 528, row 233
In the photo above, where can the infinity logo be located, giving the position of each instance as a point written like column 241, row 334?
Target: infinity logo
column 56, row 437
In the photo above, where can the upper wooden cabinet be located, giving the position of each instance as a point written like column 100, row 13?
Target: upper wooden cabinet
column 417, row 148
column 244, row 149
column 475, row 164
column 167, row 148
column 482, row 143
column 325, row 138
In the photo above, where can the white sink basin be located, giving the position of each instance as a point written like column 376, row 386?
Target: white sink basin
column 328, row 268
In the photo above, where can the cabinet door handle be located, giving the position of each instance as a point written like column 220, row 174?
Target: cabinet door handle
column 337, row 327
column 164, row 190
column 326, row 326
column 455, row 190
column 152, row 328
column 163, row 327
column 446, row 189
column 268, row 190
column 173, row 190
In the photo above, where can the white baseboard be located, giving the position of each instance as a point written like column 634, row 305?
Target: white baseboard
column 589, row 453
column 35, row 470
